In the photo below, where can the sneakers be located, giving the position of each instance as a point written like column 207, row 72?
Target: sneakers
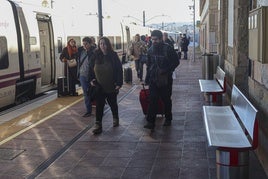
column 97, row 129
column 87, row 114
column 167, row 123
column 149, row 125
column 115, row 122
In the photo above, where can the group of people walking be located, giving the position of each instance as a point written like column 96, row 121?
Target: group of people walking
column 99, row 67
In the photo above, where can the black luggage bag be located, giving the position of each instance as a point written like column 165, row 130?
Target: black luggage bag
column 63, row 83
column 128, row 75
column 63, row 89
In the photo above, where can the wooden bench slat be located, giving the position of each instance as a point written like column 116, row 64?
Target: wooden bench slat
column 223, row 129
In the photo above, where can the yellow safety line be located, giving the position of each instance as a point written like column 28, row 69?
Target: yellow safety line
column 37, row 123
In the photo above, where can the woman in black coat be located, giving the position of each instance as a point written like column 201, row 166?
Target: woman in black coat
column 106, row 75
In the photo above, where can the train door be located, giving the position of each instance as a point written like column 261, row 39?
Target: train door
column 46, row 49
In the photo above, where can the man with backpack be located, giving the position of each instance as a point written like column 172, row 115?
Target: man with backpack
column 162, row 61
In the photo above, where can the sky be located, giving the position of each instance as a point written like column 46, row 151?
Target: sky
column 155, row 12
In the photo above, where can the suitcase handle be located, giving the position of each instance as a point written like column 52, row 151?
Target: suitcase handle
column 143, row 86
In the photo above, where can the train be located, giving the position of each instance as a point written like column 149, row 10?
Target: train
column 32, row 39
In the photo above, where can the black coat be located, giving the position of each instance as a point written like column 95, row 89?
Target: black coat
column 164, row 58
column 116, row 65
column 184, row 44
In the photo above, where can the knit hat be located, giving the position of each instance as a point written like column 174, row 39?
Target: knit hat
column 157, row 33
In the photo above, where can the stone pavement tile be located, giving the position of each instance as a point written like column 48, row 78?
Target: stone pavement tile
column 194, row 173
column 124, row 153
column 96, row 172
column 167, row 163
column 116, row 161
column 137, row 172
column 146, row 162
column 170, row 173
column 167, row 154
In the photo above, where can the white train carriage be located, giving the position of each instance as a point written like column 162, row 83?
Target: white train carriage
column 28, row 53
column 31, row 40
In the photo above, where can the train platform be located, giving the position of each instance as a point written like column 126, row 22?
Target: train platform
column 55, row 141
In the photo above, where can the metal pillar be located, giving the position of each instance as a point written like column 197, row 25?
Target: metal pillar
column 100, row 18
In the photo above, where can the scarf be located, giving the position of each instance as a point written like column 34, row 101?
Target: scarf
column 71, row 50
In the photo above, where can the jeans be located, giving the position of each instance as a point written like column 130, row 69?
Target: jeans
column 139, row 68
column 85, row 86
column 185, row 55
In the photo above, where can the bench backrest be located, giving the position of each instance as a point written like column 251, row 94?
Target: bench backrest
column 220, row 77
column 247, row 114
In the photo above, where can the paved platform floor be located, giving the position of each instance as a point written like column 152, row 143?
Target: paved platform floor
column 62, row 146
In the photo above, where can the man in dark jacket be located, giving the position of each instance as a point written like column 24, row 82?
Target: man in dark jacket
column 162, row 61
column 184, row 46
column 167, row 40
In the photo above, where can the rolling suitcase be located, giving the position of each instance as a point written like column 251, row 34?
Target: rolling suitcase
column 63, row 85
column 144, row 101
column 128, row 75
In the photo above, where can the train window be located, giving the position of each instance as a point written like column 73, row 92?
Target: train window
column 118, row 44
column 4, row 62
column 33, row 41
column 60, row 45
column 111, row 38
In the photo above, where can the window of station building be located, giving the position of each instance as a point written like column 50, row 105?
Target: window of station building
column 4, row 62
column 59, row 43
column 118, row 44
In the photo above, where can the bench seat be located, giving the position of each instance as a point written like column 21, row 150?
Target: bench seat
column 223, row 129
column 210, row 86
column 233, row 129
column 232, row 126
column 214, row 86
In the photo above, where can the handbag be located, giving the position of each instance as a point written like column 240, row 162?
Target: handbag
column 72, row 63
column 92, row 93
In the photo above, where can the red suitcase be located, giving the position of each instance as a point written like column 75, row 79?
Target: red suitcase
column 144, row 100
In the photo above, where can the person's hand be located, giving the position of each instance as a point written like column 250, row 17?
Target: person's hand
column 93, row 82
column 64, row 60
column 117, row 87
